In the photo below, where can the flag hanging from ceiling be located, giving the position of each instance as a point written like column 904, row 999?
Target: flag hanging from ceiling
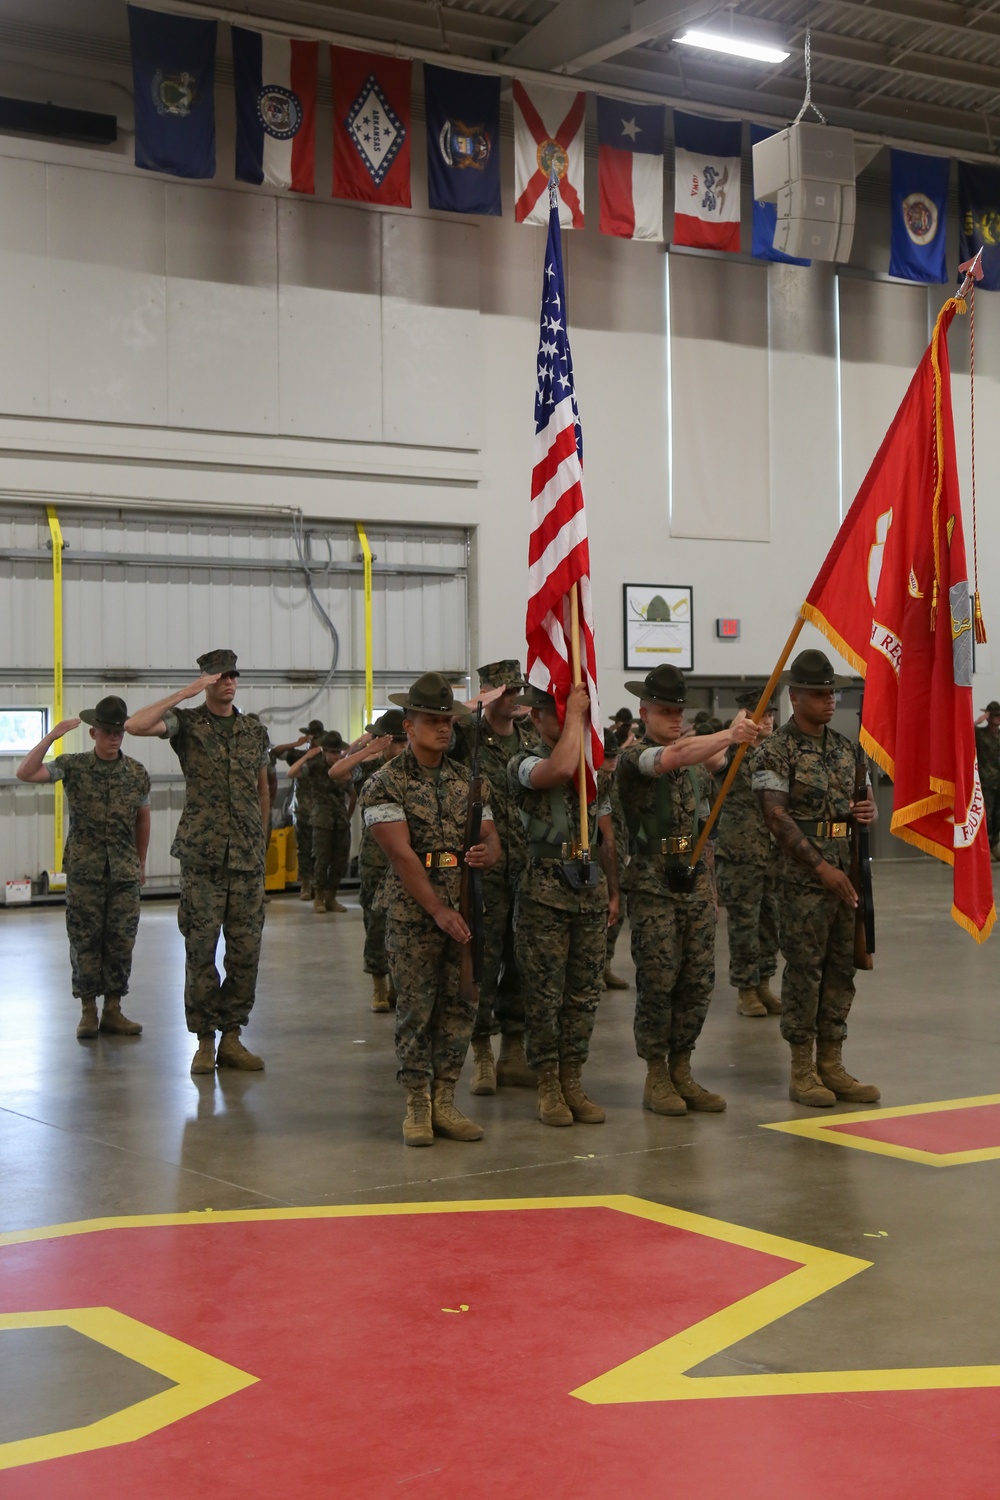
column 979, row 219
column 558, row 548
column 173, row 71
column 548, row 137
column 630, row 168
column 371, row 127
column 893, row 597
column 765, row 218
column 707, row 158
column 275, row 81
column 463, row 141
column 919, row 199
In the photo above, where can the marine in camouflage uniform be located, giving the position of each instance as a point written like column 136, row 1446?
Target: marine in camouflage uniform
column 416, row 809
column 330, row 818
column 221, row 844
column 501, row 1002
column 303, row 815
column 607, row 784
column 104, row 860
column 745, row 867
column 560, row 929
column 804, row 776
column 988, row 756
column 671, row 905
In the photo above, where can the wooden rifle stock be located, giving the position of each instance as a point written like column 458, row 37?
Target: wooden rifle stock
column 470, row 902
column 861, row 874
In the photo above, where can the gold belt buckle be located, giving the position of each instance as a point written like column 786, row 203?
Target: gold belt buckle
column 440, row 861
column 682, row 845
column 838, row 830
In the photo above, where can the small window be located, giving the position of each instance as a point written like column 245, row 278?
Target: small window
column 20, row 728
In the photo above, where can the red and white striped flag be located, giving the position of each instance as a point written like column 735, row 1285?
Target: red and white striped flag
column 558, row 550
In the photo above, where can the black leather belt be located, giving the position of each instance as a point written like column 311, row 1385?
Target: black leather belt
column 815, row 830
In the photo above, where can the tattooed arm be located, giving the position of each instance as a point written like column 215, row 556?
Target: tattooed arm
column 789, row 835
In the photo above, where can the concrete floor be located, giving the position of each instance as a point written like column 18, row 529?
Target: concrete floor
column 119, row 1127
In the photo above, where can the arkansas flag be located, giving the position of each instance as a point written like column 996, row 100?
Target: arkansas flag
column 371, row 127
column 548, row 137
column 707, row 158
column 630, row 168
column 893, row 598
column 275, row 80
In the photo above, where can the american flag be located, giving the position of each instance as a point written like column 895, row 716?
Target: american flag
column 558, row 551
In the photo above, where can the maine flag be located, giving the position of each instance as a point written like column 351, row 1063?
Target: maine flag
column 765, row 217
column 463, row 141
column 979, row 219
column 173, row 70
column 919, row 198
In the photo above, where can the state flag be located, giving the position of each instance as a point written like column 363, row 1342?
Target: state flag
column 173, row 72
column 765, row 218
column 275, row 80
column 548, row 138
column 979, row 219
column 630, row 168
column 707, row 160
column 371, row 127
column 919, row 199
column 463, row 141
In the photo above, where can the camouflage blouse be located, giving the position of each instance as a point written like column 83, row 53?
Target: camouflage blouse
column 221, row 822
column 743, row 834
column 104, row 798
column 645, row 803
column 540, row 808
column 818, row 773
column 495, row 754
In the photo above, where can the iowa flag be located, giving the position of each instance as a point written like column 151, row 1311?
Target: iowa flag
column 893, row 597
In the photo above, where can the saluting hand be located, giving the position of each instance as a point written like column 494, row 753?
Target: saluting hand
column 200, row 684
column 63, row 727
column 377, row 746
column 743, row 730
column 453, row 924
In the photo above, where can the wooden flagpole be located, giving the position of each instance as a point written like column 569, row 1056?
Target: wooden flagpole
column 741, row 750
column 574, row 646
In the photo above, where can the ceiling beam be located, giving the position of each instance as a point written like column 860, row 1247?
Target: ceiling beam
column 894, row 60
column 960, row 19
column 580, row 34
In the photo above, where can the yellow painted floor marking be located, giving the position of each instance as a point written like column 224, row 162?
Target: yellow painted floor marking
column 819, row 1130
column 200, row 1380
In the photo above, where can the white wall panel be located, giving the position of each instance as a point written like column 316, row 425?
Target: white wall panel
column 222, row 310
column 24, row 369
column 432, row 357
column 329, row 320
column 107, row 313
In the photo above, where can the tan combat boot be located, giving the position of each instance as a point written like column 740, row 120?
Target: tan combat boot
column 233, row 1054
column 447, row 1119
column 380, row 997
column 552, row 1107
column 319, row 899
column 659, row 1093
column 204, row 1058
column 583, row 1110
column 484, row 1071
column 113, row 1021
column 512, row 1065
column 417, row 1128
column 770, row 1001
column 332, row 904
column 87, row 1025
column 612, row 981
column 694, row 1096
column 833, row 1074
column 805, row 1086
column 749, row 1003
column 306, row 891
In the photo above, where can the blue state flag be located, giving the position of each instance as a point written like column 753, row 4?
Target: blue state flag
column 765, row 217
column 173, row 68
column 979, row 219
column 919, row 198
column 463, row 141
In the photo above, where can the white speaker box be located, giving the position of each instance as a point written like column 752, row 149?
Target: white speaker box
column 821, row 152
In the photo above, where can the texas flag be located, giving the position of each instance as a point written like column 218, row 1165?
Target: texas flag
column 630, row 168
column 707, row 182
column 275, row 80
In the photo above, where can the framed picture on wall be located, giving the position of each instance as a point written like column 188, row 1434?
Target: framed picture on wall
column 658, row 625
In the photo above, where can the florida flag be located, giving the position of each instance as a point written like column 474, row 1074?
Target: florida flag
column 548, row 137
column 630, row 168
column 893, row 597
column 275, row 79
column 707, row 158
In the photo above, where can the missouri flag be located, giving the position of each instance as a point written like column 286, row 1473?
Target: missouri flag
column 893, row 597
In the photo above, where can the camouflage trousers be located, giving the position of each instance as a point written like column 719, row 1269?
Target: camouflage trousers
column 614, row 933
column 433, row 1022
column 102, row 918
column 215, row 901
column 749, row 894
column 501, row 1006
column 991, row 796
column 376, row 958
column 331, row 853
column 304, row 848
column 673, row 949
column 817, row 941
column 560, row 956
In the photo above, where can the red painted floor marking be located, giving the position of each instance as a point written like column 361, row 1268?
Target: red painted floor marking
column 368, row 1390
column 974, row 1129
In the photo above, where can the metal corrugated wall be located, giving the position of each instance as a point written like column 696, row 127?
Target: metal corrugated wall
column 144, row 594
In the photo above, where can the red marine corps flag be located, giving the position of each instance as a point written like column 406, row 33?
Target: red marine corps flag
column 893, row 597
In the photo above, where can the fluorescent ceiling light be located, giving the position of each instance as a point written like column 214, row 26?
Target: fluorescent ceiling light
column 757, row 48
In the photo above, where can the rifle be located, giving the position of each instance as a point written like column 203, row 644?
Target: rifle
column 470, row 902
column 861, row 874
